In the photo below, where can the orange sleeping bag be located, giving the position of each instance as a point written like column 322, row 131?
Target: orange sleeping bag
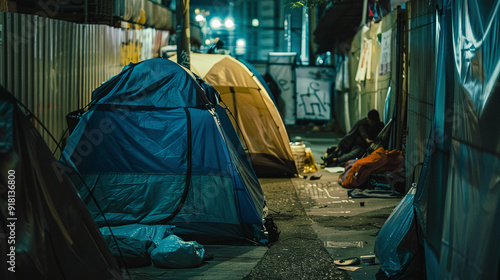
column 379, row 162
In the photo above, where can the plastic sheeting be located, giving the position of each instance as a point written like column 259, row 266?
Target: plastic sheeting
column 134, row 243
column 48, row 226
column 390, row 247
column 458, row 200
column 154, row 233
column 173, row 252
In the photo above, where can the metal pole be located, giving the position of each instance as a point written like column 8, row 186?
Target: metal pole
column 232, row 44
column 363, row 13
column 183, row 33
column 304, row 50
column 311, row 43
column 288, row 32
column 399, row 124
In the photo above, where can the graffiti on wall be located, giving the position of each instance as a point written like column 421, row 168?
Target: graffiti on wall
column 141, row 44
column 281, row 67
column 314, row 93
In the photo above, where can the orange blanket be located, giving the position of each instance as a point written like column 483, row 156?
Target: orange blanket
column 379, row 162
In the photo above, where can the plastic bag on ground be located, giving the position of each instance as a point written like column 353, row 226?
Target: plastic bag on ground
column 135, row 242
column 397, row 242
column 173, row 252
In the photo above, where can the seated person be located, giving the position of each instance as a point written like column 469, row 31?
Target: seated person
column 217, row 48
column 354, row 144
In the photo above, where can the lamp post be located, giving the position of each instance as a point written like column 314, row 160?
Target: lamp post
column 183, row 33
column 229, row 24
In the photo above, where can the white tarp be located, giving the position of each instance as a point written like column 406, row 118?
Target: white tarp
column 385, row 56
column 314, row 92
column 281, row 69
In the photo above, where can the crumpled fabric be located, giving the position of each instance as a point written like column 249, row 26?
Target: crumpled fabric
column 379, row 162
column 173, row 252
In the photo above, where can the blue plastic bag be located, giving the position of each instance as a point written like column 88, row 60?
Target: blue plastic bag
column 392, row 258
column 173, row 252
column 133, row 243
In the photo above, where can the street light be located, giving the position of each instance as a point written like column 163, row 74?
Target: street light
column 229, row 23
column 240, row 46
column 215, row 23
column 199, row 18
column 241, row 42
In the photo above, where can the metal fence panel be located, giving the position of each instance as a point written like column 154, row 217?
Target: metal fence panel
column 421, row 87
column 53, row 66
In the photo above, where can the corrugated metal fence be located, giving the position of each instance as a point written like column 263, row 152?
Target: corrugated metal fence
column 53, row 66
column 154, row 15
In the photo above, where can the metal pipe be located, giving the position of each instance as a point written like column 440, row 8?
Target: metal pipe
column 363, row 13
column 304, row 50
column 183, row 33
column 288, row 32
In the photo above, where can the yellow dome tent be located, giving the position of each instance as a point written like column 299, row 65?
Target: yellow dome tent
column 259, row 124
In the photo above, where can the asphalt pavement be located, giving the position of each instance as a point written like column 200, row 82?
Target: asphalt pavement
column 319, row 225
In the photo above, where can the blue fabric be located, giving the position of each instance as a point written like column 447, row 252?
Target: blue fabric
column 133, row 243
column 232, row 136
column 458, row 198
column 210, row 155
column 142, row 143
column 155, row 82
column 392, row 258
column 173, row 252
column 248, row 191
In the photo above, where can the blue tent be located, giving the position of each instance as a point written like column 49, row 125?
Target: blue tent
column 152, row 149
